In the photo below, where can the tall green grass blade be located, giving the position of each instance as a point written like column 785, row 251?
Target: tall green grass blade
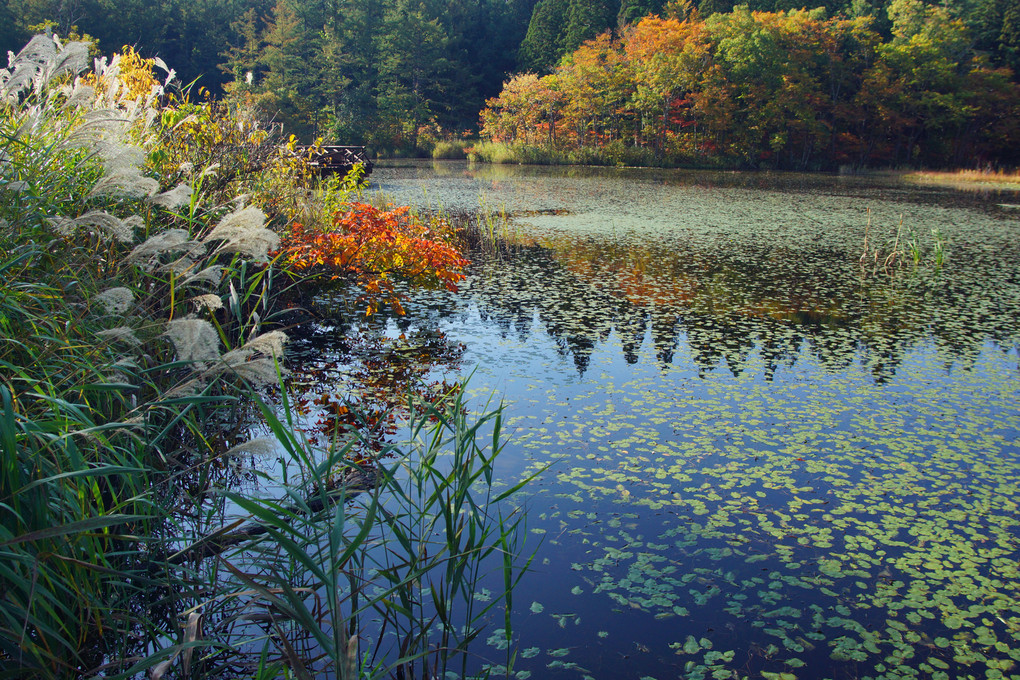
column 77, row 527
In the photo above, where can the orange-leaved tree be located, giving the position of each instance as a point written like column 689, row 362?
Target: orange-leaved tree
column 372, row 247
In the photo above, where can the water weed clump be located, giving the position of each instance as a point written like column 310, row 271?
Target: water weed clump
column 491, row 231
column 141, row 308
column 906, row 251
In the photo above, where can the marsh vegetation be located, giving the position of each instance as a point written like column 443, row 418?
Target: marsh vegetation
column 152, row 264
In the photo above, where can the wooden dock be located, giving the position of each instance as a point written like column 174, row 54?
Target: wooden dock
column 328, row 160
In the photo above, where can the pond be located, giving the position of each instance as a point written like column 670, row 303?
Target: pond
column 771, row 452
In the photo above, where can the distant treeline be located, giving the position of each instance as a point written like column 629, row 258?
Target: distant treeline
column 383, row 72
column 558, row 27
column 398, row 74
column 793, row 90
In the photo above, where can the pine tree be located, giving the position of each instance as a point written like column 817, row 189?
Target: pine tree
column 632, row 11
column 543, row 44
column 586, row 19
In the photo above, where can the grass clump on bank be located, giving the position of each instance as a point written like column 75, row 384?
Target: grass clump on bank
column 613, row 154
column 978, row 179
column 141, row 309
column 453, row 149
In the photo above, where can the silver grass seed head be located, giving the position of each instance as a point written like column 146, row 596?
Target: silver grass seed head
column 259, row 372
column 255, row 245
column 64, row 226
column 122, row 157
column 79, row 95
column 71, row 58
column 100, row 131
column 212, row 275
column 207, row 301
column 116, row 300
column 110, row 225
column 181, row 267
column 262, row 447
column 123, row 334
column 194, row 340
column 125, row 185
column 238, row 222
column 249, row 363
column 269, row 344
column 146, row 254
column 41, row 61
column 243, row 231
column 123, row 163
column 179, row 196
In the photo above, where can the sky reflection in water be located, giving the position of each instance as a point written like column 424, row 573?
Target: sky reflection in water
column 767, row 459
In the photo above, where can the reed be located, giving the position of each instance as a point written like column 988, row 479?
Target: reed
column 973, row 177
column 453, row 149
column 362, row 571
column 907, row 251
column 489, row 231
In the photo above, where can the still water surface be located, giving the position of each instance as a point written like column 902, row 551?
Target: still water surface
column 768, row 459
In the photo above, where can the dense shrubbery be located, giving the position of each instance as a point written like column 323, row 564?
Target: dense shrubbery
column 757, row 89
column 140, row 311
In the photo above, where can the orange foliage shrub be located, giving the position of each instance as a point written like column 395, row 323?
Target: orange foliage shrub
column 371, row 246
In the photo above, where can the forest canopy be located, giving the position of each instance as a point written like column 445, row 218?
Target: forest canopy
column 791, row 89
column 400, row 75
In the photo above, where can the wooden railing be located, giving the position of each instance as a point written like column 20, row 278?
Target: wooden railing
column 327, row 160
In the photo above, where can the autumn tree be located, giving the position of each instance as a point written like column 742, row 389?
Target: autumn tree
column 596, row 83
column 369, row 247
column 667, row 58
column 527, row 107
column 914, row 88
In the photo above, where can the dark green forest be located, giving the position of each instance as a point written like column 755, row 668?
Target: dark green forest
column 401, row 74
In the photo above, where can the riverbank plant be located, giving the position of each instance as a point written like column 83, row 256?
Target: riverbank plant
column 141, row 309
column 371, row 246
column 973, row 179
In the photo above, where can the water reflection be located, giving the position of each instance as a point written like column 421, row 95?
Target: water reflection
column 736, row 316
column 738, row 266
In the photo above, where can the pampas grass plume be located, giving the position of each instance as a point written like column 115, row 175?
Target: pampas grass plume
column 194, row 339
column 116, row 300
column 243, row 231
